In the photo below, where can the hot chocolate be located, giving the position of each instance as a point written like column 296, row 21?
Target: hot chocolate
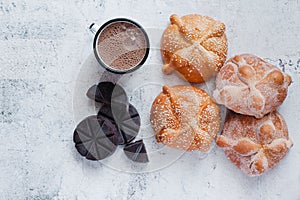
column 122, row 45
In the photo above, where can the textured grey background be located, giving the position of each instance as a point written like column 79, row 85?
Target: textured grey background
column 43, row 45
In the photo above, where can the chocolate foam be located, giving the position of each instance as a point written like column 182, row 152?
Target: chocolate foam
column 122, row 45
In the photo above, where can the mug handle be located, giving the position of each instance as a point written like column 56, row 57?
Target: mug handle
column 94, row 28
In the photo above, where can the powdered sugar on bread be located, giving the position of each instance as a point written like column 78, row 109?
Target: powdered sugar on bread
column 251, row 86
column 255, row 145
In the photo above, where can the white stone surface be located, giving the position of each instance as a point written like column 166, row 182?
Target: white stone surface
column 43, row 46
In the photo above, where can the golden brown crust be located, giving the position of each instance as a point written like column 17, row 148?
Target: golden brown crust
column 185, row 118
column 251, row 86
column 194, row 46
column 255, row 145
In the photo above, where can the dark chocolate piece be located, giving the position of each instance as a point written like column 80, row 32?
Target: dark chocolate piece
column 95, row 140
column 136, row 151
column 107, row 93
column 127, row 121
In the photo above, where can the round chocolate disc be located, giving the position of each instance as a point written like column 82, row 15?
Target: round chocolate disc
column 95, row 140
column 107, row 93
column 127, row 121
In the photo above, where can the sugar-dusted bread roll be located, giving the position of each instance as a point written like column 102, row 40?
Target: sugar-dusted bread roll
column 255, row 145
column 185, row 118
column 249, row 85
column 195, row 46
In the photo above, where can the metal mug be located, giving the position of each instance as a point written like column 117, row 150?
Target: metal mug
column 97, row 31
